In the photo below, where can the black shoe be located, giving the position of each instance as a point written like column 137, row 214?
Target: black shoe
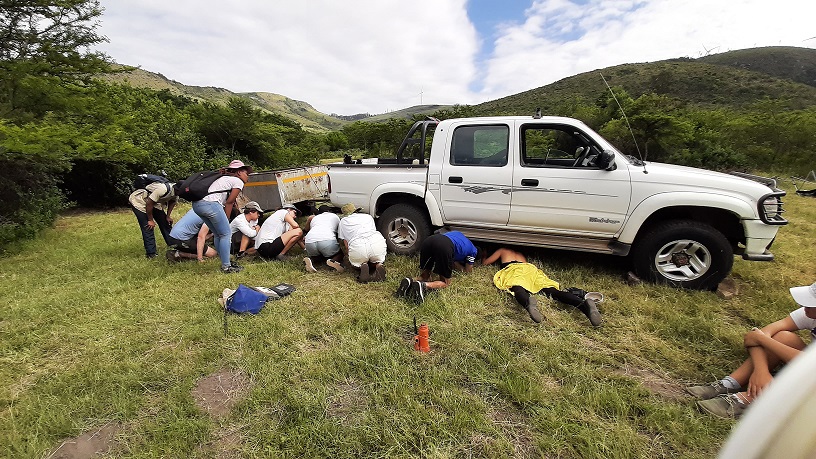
column 404, row 286
column 418, row 291
column 232, row 268
column 590, row 309
column 172, row 256
column 364, row 274
column 379, row 274
column 532, row 309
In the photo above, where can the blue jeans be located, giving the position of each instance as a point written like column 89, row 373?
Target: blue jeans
column 216, row 220
column 148, row 235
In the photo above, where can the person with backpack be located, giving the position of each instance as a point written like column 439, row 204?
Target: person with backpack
column 217, row 204
column 152, row 202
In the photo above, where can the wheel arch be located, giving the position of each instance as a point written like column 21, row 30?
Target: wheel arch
column 724, row 221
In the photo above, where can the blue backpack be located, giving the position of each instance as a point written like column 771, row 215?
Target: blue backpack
column 246, row 299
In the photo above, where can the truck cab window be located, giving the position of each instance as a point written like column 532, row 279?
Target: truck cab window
column 480, row 146
column 552, row 146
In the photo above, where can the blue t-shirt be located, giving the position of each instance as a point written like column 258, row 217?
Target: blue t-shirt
column 188, row 227
column 463, row 250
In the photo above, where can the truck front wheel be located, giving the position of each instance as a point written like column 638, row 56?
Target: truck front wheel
column 404, row 227
column 684, row 254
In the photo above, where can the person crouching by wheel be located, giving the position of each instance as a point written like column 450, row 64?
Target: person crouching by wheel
column 439, row 254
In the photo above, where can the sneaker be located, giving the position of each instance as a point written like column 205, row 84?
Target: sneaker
column 590, row 309
column 309, row 266
column 709, row 390
column 364, row 274
column 172, row 256
column 727, row 406
column 532, row 309
column 336, row 265
column 379, row 274
column 418, row 291
column 233, row 268
column 404, row 286
column 151, row 256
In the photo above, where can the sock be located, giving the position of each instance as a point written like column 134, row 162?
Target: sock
column 730, row 383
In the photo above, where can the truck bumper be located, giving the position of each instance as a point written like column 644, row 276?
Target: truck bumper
column 758, row 241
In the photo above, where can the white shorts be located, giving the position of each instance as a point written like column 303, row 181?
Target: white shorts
column 367, row 249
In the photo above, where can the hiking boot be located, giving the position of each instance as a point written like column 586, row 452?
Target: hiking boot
column 233, row 268
column 364, row 276
column 404, row 286
column 709, row 390
column 173, row 256
column 418, row 291
column 723, row 406
column 336, row 265
column 532, row 309
column 590, row 309
column 309, row 266
column 379, row 274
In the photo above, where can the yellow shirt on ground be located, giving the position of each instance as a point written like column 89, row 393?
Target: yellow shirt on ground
column 525, row 275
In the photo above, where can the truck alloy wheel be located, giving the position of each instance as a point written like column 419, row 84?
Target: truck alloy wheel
column 404, row 228
column 684, row 254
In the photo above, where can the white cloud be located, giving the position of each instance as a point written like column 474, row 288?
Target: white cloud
column 374, row 55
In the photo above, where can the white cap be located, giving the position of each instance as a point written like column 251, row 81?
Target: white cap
column 805, row 296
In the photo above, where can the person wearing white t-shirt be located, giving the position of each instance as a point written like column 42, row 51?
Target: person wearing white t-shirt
column 216, row 207
column 244, row 228
column 279, row 233
column 365, row 245
column 321, row 240
column 768, row 348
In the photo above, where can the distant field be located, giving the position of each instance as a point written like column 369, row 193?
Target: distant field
column 93, row 335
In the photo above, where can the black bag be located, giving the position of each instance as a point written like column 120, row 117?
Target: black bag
column 143, row 180
column 195, row 187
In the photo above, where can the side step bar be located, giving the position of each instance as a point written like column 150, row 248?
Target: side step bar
column 549, row 241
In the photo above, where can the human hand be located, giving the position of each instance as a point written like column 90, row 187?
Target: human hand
column 150, row 224
column 753, row 337
column 169, row 220
column 758, row 381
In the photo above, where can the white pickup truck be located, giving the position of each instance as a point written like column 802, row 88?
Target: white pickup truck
column 553, row 182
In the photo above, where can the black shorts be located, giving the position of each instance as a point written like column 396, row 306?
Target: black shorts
column 271, row 249
column 235, row 242
column 436, row 255
column 188, row 246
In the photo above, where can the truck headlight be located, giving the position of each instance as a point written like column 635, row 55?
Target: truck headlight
column 771, row 210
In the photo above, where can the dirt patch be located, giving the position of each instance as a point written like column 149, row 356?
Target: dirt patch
column 348, row 403
column 219, row 392
column 655, row 383
column 90, row 444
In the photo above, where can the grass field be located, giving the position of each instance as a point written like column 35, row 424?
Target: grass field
column 92, row 334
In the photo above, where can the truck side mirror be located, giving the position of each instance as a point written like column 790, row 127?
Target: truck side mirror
column 606, row 160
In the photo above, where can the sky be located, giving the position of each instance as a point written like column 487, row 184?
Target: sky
column 376, row 56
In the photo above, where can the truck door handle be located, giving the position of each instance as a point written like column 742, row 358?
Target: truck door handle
column 529, row 182
column 454, row 179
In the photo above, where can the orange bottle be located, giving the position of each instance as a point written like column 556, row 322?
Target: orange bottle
column 421, row 339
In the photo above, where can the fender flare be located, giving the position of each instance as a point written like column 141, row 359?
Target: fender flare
column 413, row 189
column 656, row 202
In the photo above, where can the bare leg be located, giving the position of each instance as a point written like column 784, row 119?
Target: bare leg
column 744, row 371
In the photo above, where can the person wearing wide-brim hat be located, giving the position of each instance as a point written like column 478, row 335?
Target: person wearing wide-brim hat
column 364, row 245
column 768, row 348
column 244, row 228
column 216, row 207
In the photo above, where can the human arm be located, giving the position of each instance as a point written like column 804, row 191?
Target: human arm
column 760, row 343
column 170, row 206
column 149, row 211
column 493, row 258
column 231, row 201
column 290, row 219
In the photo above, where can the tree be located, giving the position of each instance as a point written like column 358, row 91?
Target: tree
column 46, row 43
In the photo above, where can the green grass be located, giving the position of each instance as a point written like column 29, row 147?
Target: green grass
column 91, row 332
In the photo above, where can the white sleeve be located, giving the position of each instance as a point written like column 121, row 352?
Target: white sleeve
column 242, row 225
column 802, row 321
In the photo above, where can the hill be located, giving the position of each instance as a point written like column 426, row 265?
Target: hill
column 735, row 79
column 296, row 110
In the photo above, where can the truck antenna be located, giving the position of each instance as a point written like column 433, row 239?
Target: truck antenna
column 627, row 122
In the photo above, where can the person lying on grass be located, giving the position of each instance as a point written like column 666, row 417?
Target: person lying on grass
column 768, row 348
column 439, row 254
column 523, row 279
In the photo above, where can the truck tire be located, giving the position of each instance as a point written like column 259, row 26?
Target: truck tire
column 404, row 228
column 685, row 254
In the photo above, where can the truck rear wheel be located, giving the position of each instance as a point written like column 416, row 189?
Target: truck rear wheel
column 684, row 254
column 404, row 228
